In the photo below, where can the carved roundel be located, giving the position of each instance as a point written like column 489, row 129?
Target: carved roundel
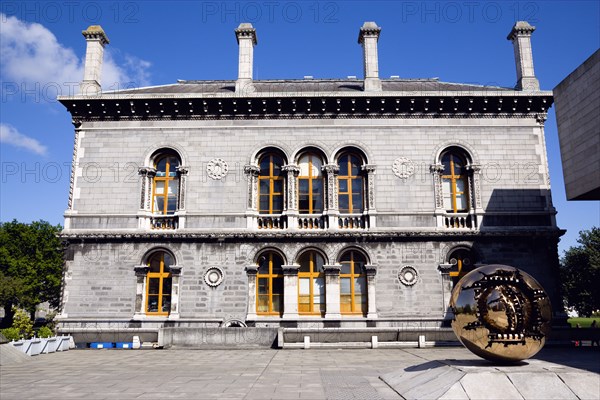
column 403, row 168
column 408, row 275
column 217, row 168
column 213, row 276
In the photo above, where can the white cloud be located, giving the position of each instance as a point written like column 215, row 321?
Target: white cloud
column 31, row 54
column 10, row 135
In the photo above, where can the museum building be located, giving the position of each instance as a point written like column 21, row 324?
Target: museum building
column 303, row 203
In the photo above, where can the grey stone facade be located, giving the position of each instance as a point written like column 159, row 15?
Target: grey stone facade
column 218, row 130
column 578, row 119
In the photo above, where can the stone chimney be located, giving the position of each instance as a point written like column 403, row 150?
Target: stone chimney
column 94, row 54
column 368, row 37
column 520, row 35
column 246, row 38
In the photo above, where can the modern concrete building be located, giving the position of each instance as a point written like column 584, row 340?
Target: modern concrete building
column 309, row 203
column 578, row 119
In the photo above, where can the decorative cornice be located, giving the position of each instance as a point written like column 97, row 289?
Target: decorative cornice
column 369, row 29
column 330, row 107
column 246, row 30
column 521, row 28
column 95, row 32
column 299, row 235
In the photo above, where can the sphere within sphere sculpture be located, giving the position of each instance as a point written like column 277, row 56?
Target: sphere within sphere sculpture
column 501, row 314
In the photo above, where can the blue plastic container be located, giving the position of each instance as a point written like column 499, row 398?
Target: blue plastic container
column 124, row 345
column 101, row 345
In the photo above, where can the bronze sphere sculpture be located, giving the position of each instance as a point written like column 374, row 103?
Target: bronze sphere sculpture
column 501, row 314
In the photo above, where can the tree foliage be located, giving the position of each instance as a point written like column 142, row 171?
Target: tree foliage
column 31, row 261
column 580, row 273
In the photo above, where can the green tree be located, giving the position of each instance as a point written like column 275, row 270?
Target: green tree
column 31, row 262
column 580, row 273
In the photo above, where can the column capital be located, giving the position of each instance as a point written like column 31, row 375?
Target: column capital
column 251, row 169
column 371, row 269
column 475, row 168
column 182, row 170
column 436, row 168
column 332, row 269
column 147, row 171
column 293, row 168
column 369, row 168
column 330, row 168
column 290, row 269
column 141, row 270
column 175, row 269
column 251, row 269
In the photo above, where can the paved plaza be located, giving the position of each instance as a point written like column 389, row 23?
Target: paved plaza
column 256, row 374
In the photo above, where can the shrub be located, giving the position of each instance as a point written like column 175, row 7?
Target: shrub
column 22, row 324
column 45, row 332
column 11, row 333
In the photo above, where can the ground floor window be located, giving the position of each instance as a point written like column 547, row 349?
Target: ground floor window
column 269, row 284
column 353, row 283
column 158, row 284
column 311, row 283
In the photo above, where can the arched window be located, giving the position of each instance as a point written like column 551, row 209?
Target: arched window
column 351, row 184
column 311, row 283
column 166, row 184
column 270, row 184
column 353, row 283
column 463, row 261
column 269, row 288
column 158, row 284
column 455, row 182
column 310, row 184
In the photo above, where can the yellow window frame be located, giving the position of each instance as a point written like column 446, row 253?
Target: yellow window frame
column 453, row 178
column 272, row 178
column 311, row 275
column 270, row 276
column 163, row 274
column 354, row 307
column 167, row 179
column 349, row 179
column 310, row 178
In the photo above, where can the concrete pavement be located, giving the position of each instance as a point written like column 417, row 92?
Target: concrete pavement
column 250, row 374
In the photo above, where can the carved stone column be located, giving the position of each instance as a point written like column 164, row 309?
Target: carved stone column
column 182, row 173
column 251, row 271
column 447, row 286
column 332, row 291
column 475, row 193
column 371, row 292
column 141, row 271
column 331, row 195
column 147, row 176
column 436, row 171
column 252, row 171
column 290, row 291
column 175, row 290
column 370, row 200
column 291, row 194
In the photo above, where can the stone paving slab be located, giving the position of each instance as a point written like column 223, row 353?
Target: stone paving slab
column 254, row 374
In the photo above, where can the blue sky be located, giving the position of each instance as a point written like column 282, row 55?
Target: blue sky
column 158, row 42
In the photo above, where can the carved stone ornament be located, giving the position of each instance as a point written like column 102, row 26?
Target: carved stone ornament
column 217, row 168
column 408, row 275
column 403, row 168
column 213, row 276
